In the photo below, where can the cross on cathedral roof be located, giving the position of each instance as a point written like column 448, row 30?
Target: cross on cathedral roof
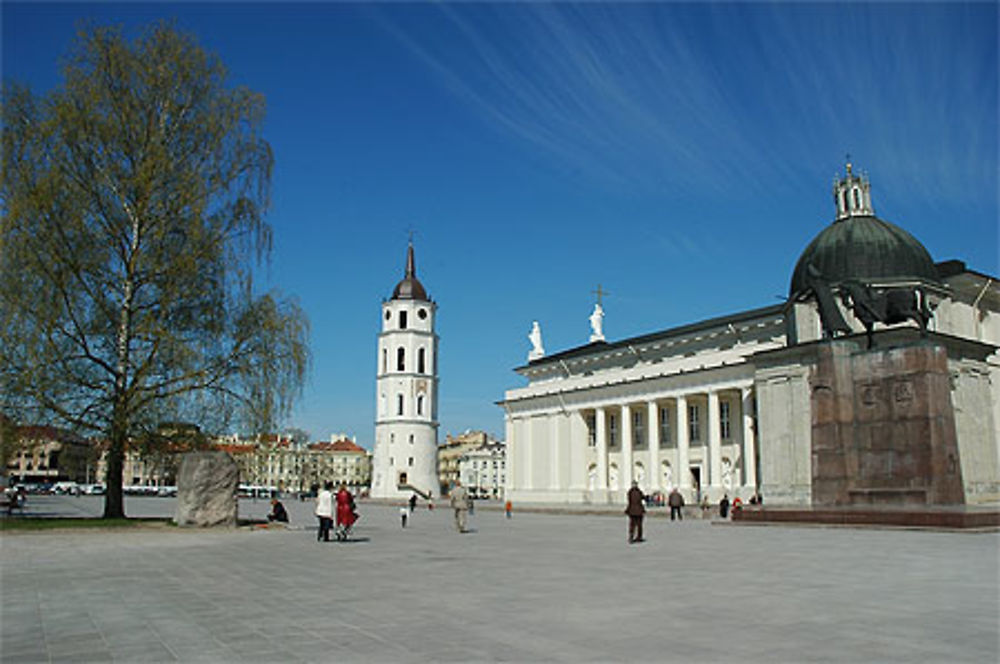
column 600, row 293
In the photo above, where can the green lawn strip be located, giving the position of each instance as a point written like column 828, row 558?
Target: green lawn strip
column 55, row 523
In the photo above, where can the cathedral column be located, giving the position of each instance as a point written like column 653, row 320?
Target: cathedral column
column 601, row 435
column 653, row 440
column 749, row 443
column 626, row 471
column 554, row 461
column 683, row 461
column 714, row 444
column 526, row 452
column 508, row 431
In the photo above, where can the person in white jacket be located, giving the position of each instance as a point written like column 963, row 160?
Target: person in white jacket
column 324, row 510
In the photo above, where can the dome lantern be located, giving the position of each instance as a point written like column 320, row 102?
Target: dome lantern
column 852, row 195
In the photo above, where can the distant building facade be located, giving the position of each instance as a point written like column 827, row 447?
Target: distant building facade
column 45, row 454
column 484, row 470
column 450, row 453
column 340, row 462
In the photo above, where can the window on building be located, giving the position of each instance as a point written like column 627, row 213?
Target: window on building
column 402, row 320
column 392, row 461
column 401, row 359
column 612, row 430
column 410, row 461
column 421, row 363
column 638, row 430
column 420, row 405
column 385, row 360
column 399, row 404
column 411, row 439
column 694, row 424
column 591, row 431
column 724, row 419
column 664, row 427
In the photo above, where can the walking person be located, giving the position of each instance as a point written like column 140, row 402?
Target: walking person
column 459, row 498
column 636, row 510
column 508, row 507
column 324, row 511
column 724, row 506
column 403, row 513
column 346, row 514
column 413, row 503
column 676, row 502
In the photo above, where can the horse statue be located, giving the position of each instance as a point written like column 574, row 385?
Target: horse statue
column 829, row 313
column 888, row 306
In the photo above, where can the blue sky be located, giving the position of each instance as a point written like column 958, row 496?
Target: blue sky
column 680, row 155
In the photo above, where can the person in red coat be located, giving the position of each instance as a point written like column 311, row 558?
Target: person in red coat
column 346, row 515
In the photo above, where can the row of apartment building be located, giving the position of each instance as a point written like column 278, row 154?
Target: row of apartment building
column 48, row 454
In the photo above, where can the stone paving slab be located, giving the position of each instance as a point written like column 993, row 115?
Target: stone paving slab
column 537, row 587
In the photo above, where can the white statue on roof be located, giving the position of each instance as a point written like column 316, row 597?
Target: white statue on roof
column 535, row 337
column 596, row 324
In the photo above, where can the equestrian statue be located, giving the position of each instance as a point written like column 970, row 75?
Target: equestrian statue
column 887, row 306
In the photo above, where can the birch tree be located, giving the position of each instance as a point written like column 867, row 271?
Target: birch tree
column 133, row 201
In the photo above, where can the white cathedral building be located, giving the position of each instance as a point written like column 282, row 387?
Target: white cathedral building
column 406, row 423
column 724, row 405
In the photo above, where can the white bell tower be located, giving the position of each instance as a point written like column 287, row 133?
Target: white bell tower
column 406, row 387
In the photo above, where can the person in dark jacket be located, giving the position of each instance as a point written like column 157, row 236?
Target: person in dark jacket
column 724, row 506
column 676, row 502
column 636, row 510
column 278, row 512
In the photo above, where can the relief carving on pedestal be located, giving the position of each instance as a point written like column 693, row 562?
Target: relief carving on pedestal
column 870, row 395
column 902, row 392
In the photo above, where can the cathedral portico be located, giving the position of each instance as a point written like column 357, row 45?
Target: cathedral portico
column 596, row 451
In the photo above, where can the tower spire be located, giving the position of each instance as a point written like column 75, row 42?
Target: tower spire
column 411, row 263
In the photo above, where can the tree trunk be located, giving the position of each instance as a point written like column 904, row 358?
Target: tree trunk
column 114, row 502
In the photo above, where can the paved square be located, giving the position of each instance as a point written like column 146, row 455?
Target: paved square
column 538, row 587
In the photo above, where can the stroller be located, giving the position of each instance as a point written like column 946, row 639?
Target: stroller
column 343, row 531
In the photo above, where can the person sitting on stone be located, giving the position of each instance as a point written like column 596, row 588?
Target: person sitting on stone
column 278, row 512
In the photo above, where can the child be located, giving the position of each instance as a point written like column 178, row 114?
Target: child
column 403, row 513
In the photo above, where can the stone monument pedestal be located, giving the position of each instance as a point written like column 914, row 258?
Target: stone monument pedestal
column 883, row 427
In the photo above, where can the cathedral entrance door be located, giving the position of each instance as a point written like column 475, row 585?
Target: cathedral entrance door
column 696, row 482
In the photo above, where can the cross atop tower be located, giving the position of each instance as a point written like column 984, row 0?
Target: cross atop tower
column 600, row 293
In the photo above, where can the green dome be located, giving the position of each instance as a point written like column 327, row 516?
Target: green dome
column 866, row 248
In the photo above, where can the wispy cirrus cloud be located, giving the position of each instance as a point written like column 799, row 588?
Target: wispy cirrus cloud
column 698, row 97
